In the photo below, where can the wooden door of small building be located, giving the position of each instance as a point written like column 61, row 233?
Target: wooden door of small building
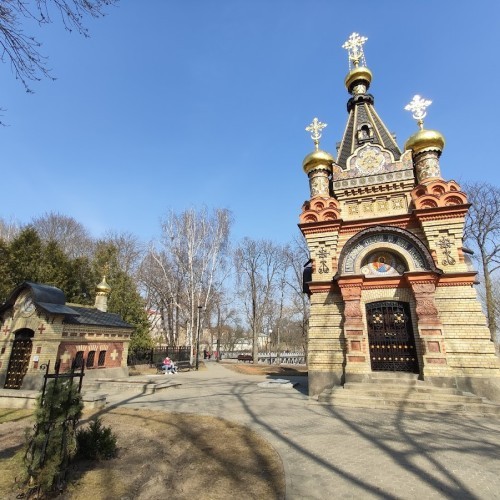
column 391, row 339
column 19, row 359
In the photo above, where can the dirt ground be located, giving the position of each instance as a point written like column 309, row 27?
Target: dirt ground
column 163, row 455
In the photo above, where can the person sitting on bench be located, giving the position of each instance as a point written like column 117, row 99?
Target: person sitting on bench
column 168, row 366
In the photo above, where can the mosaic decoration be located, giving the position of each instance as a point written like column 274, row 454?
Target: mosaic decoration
column 410, row 248
column 369, row 161
column 381, row 264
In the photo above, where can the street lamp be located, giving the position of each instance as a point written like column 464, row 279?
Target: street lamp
column 269, row 344
column 279, row 346
column 198, row 337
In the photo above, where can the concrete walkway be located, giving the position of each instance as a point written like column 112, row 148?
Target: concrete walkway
column 344, row 453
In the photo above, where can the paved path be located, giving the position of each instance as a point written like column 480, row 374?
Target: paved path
column 345, row 453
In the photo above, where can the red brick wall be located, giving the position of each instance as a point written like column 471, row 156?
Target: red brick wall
column 114, row 354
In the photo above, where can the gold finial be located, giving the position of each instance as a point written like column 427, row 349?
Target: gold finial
column 354, row 47
column 418, row 107
column 315, row 127
column 103, row 287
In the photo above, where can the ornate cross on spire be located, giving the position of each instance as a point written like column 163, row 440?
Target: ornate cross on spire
column 418, row 107
column 354, row 47
column 315, row 127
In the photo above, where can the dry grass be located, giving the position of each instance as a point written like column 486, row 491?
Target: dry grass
column 164, row 455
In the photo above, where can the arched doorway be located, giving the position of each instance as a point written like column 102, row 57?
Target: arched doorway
column 19, row 359
column 390, row 336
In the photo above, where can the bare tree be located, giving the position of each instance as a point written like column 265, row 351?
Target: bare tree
column 9, row 229
column 161, row 283
column 130, row 250
column 21, row 50
column 482, row 230
column 258, row 264
column 221, row 315
column 72, row 236
column 297, row 255
column 189, row 257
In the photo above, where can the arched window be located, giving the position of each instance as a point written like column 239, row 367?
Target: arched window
column 90, row 359
column 102, row 358
column 79, row 359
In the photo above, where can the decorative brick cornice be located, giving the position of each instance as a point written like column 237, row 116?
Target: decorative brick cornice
column 320, row 227
column 457, row 279
column 404, row 221
column 441, row 213
column 438, row 193
column 321, row 286
column 320, row 209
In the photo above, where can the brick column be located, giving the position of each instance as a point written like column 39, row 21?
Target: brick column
column 356, row 341
column 430, row 327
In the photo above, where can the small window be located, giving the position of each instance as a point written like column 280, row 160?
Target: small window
column 79, row 359
column 90, row 359
column 102, row 358
column 364, row 133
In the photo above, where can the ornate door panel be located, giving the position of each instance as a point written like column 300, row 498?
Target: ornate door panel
column 18, row 363
column 390, row 334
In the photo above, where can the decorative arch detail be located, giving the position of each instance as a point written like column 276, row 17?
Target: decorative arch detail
column 438, row 193
column 413, row 254
column 320, row 209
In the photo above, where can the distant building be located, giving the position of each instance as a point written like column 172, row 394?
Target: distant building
column 37, row 327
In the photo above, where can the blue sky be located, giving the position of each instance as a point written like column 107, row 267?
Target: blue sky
column 173, row 104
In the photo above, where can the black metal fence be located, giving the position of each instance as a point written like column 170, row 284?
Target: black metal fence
column 158, row 354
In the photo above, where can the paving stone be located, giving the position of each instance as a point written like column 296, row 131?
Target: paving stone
column 331, row 452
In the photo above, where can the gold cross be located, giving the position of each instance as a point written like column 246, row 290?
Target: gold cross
column 354, row 47
column 315, row 127
column 418, row 107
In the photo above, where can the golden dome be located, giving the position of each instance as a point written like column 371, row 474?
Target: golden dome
column 359, row 74
column 425, row 140
column 103, row 287
column 318, row 158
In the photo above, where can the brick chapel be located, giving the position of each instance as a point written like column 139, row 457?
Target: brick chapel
column 391, row 285
column 38, row 326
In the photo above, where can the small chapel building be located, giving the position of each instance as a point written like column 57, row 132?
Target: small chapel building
column 38, row 327
column 391, row 285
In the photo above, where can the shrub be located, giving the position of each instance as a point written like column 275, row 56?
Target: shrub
column 52, row 442
column 96, row 442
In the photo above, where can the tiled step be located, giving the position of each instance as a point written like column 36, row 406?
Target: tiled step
column 406, row 392
column 420, row 388
column 360, row 401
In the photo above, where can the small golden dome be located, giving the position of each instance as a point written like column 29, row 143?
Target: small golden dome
column 103, row 287
column 318, row 158
column 360, row 74
column 425, row 140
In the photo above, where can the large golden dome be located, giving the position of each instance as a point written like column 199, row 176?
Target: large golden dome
column 360, row 74
column 425, row 140
column 318, row 158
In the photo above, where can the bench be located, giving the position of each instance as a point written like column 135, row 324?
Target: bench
column 180, row 365
column 183, row 365
column 245, row 357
